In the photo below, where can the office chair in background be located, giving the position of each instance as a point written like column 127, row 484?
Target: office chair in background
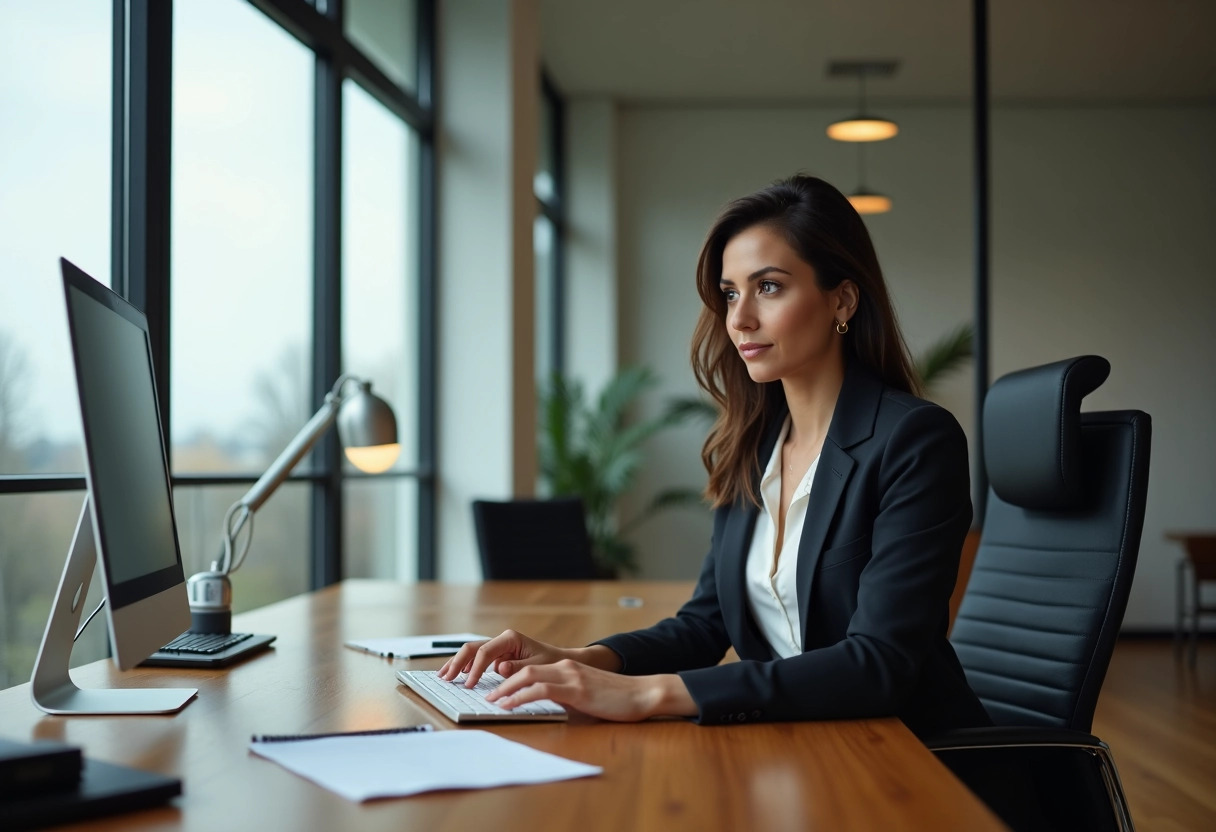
column 1040, row 615
column 537, row 540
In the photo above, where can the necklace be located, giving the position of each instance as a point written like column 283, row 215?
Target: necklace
column 794, row 457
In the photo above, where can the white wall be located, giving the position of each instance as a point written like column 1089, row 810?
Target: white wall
column 1101, row 243
column 486, row 153
column 591, row 241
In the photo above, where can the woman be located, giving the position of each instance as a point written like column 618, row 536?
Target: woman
column 841, row 504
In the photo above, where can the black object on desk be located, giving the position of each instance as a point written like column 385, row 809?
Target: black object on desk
column 102, row 789
column 29, row 768
column 207, row 650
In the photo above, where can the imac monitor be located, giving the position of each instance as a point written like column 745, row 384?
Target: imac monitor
column 127, row 521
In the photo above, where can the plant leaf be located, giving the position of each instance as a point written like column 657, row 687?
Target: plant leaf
column 945, row 354
column 668, row 498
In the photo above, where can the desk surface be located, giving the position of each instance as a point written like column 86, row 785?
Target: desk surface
column 665, row 774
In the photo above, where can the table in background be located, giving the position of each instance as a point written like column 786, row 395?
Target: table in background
column 663, row 774
column 1200, row 561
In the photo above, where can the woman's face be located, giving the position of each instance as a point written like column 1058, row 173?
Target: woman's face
column 781, row 322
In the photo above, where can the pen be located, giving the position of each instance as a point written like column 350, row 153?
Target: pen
column 448, row 643
column 409, row 729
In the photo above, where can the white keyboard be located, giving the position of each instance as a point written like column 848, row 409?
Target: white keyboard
column 461, row 704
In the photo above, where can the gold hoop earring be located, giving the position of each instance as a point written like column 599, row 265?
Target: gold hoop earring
column 842, row 327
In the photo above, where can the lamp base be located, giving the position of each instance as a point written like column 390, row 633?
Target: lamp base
column 211, row 621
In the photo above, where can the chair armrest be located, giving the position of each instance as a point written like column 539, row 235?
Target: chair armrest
column 1011, row 737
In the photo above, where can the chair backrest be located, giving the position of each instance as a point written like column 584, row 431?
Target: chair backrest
column 1042, row 610
column 533, row 540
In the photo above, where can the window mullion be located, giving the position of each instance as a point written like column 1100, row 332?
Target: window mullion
column 142, row 150
column 327, row 314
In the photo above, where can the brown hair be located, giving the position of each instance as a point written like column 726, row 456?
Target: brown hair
column 820, row 225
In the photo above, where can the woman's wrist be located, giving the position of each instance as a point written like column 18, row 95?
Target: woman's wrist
column 597, row 656
column 670, row 697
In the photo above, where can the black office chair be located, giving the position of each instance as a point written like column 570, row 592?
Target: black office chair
column 523, row 540
column 1040, row 615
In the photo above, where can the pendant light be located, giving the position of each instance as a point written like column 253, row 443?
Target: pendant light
column 863, row 199
column 862, row 127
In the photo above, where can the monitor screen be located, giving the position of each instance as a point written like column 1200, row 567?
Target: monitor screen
column 127, row 471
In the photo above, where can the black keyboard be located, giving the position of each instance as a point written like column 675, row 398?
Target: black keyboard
column 204, row 644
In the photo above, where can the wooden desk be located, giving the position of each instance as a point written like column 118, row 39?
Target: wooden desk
column 660, row 775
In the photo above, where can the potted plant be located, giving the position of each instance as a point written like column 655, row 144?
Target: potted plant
column 587, row 450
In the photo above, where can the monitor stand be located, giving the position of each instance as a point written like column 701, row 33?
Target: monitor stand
column 52, row 687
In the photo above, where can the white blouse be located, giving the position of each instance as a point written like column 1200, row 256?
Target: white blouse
column 772, row 594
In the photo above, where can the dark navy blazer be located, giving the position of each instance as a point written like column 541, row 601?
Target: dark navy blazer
column 889, row 507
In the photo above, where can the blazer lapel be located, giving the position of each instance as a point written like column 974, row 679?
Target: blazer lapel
column 733, row 548
column 732, row 578
column 831, row 477
column 852, row 422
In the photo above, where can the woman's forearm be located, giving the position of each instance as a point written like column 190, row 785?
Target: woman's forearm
column 661, row 695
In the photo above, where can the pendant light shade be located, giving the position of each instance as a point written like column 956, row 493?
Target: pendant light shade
column 868, row 202
column 862, row 128
column 863, row 200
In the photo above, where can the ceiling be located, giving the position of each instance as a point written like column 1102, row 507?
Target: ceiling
column 769, row 51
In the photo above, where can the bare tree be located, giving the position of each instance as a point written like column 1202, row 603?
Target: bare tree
column 12, row 388
column 14, row 385
column 281, row 396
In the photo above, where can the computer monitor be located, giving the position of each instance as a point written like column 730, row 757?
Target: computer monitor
column 127, row 521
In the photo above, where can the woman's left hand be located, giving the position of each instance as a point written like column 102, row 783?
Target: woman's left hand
column 598, row 693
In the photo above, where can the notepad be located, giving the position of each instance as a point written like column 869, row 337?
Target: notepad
column 412, row 647
column 363, row 768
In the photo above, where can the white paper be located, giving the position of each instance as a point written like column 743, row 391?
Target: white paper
column 397, row 765
column 412, row 647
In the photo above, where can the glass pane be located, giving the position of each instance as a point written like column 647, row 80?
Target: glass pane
column 55, row 68
column 37, row 533
column 279, row 562
column 384, row 30
column 380, row 258
column 380, row 529
column 542, row 246
column 242, row 237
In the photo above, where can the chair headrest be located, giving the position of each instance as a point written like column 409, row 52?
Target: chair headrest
column 1032, row 432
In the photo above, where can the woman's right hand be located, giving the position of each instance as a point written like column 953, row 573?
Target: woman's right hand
column 507, row 653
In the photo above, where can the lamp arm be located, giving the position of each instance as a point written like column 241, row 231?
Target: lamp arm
column 296, row 450
column 336, row 390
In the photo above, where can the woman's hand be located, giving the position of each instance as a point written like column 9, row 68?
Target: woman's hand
column 599, row 693
column 507, row 653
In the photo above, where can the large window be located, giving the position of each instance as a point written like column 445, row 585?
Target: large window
column 54, row 202
column 195, row 150
column 241, row 278
column 380, row 301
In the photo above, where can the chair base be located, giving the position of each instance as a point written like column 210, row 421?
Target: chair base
column 1038, row 780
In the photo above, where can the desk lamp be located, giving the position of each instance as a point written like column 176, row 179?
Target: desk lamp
column 368, row 432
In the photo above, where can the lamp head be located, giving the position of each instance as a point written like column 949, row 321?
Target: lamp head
column 368, row 430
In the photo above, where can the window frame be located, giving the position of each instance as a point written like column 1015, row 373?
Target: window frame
column 554, row 210
column 141, row 124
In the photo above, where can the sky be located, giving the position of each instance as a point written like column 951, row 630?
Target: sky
column 241, row 253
